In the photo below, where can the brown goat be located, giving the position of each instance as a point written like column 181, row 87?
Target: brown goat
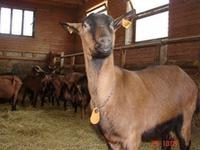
column 69, row 80
column 133, row 106
column 9, row 88
column 80, row 95
column 33, row 85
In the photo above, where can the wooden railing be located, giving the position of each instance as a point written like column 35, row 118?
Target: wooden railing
column 160, row 45
column 23, row 55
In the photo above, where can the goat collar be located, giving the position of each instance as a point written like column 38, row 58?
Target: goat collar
column 95, row 116
column 106, row 100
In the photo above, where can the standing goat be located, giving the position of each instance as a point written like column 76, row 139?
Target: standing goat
column 9, row 88
column 133, row 106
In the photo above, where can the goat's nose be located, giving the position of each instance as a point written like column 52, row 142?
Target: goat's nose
column 104, row 41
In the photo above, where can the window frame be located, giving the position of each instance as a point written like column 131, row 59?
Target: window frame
column 149, row 13
column 22, row 26
column 96, row 7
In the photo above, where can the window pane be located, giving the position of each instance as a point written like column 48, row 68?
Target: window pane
column 143, row 5
column 152, row 27
column 17, row 22
column 101, row 10
column 5, row 20
column 28, row 23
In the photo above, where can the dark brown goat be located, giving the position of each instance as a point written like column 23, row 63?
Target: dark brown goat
column 78, row 94
column 133, row 105
column 9, row 88
column 68, row 80
column 33, row 85
column 47, row 90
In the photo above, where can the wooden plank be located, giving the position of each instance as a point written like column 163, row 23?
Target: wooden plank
column 163, row 54
column 183, row 63
column 123, row 57
column 160, row 42
column 21, row 58
column 63, row 3
column 75, row 66
column 36, row 52
column 71, row 55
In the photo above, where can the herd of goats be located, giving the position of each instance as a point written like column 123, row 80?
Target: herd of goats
column 70, row 88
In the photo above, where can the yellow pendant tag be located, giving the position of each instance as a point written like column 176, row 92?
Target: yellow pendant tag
column 126, row 23
column 95, row 116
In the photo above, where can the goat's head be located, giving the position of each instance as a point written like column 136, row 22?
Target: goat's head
column 97, row 32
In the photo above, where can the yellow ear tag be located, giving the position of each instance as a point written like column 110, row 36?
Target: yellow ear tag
column 95, row 116
column 126, row 23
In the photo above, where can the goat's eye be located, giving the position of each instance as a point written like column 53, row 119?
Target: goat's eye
column 86, row 26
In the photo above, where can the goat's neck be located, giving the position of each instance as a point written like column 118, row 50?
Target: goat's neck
column 101, row 78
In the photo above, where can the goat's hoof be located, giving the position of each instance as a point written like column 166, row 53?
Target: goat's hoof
column 13, row 109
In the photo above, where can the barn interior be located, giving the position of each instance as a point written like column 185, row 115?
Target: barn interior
column 164, row 32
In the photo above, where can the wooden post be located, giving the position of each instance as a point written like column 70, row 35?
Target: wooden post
column 123, row 57
column 157, row 48
column 73, row 58
column 163, row 54
column 54, row 60
column 4, row 53
column 62, row 60
column 34, row 55
column 22, row 54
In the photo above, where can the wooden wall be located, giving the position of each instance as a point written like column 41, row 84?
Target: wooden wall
column 184, row 20
column 49, row 35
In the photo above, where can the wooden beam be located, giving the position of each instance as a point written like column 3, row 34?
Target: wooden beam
column 56, row 2
column 159, row 42
column 153, row 11
column 73, row 2
column 48, row 3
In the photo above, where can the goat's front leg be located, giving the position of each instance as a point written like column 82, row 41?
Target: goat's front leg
column 132, row 142
column 114, row 146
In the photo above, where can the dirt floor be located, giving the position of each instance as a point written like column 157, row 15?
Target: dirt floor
column 51, row 128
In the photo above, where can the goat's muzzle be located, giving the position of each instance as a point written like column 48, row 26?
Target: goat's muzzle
column 103, row 47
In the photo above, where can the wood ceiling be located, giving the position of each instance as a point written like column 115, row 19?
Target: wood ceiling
column 54, row 2
column 62, row 3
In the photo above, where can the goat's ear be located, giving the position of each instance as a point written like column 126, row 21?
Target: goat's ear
column 125, row 20
column 71, row 27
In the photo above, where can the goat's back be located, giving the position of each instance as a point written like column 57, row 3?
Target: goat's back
column 156, row 94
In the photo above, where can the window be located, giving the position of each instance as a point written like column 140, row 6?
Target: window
column 152, row 21
column 16, row 21
column 98, row 9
